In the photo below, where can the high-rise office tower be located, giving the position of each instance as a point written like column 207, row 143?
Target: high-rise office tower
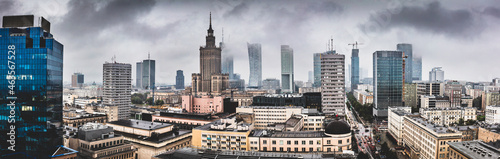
column 117, row 83
column 31, row 88
column 179, row 80
column 333, row 83
column 310, row 77
column 287, row 85
column 417, row 68
column 148, row 74
column 227, row 65
column 317, row 69
column 436, row 75
column 408, row 52
column 77, row 80
column 354, row 68
column 138, row 75
column 255, row 60
column 210, row 80
column 387, row 81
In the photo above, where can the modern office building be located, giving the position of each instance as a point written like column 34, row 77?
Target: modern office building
column 210, row 80
column 317, row 69
column 354, row 68
column 179, row 80
column 333, row 83
column 287, row 84
column 388, row 81
column 117, row 83
column 417, row 68
column 436, row 75
column 138, row 75
column 148, row 74
column 408, row 53
column 228, row 64
column 271, row 83
column 77, row 80
column 31, row 88
column 255, row 59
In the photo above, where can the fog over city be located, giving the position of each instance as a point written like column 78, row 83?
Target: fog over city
column 459, row 36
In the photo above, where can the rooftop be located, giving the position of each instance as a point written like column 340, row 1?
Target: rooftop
column 140, row 124
column 435, row 128
column 227, row 124
column 270, row 107
column 192, row 153
column 475, row 149
column 287, row 134
column 449, row 108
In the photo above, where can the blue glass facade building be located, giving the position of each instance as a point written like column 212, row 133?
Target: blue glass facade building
column 317, row 69
column 354, row 68
column 408, row 52
column 417, row 68
column 255, row 61
column 179, row 80
column 30, row 88
column 388, row 81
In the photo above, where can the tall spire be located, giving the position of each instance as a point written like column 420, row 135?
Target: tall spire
column 210, row 21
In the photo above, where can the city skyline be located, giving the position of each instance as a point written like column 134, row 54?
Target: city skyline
column 463, row 28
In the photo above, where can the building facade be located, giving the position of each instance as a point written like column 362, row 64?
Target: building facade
column 453, row 90
column 117, row 83
column 287, row 79
column 448, row 116
column 77, row 80
column 138, row 75
column 436, row 75
column 333, row 83
column 31, row 88
column 223, row 134
column 492, row 114
column 490, row 98
column 395, row 122
column 354, row 68
column 408, row 53
column 203, row 104
column 148, row 74
column 317, row 69
column 255, row 60
column 179, row 80
column 388, row 81
column 472, row 150
column 227, row 64
column 271, row 84
column 267, row 115
column 417, row 68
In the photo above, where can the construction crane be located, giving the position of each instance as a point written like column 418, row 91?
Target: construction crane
column 355, row 44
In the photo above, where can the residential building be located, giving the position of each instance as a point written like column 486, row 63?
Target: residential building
column 408, row 53
column 453, row 89
column 117, row 83
column 317, row 69
column 151, row 138
column 354, row 68
column 255, row 61
column 210, row 80
column 333, row 83
column 94, row 140
column 430, row 88
column 492, row 114
column 32, row 88
column 436, row 75
column 448, row 116
column 472, row 150
column 395, row 122
column 202, row 104
column 77, row 118
column 363, row 97
column 313, row 120
column 466, row 101
column 426, row 140
column 388, row 81
column 223, row 134
column 490, row 98
column 287, row 79
column 271, row 83
column 77, row 80
column 434, row 102
column 488, row 132
column 179, row 80
column 266, row 115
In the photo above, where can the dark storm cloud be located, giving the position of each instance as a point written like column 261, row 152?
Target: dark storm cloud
column 6, row 6
column 493, row 11
column 433, row 18
column 237, row 11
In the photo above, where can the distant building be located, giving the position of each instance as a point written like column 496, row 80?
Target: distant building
column 410, row 95
column 448, row 116
column 202, row 104
column 117, row 83
column 496, row 81
column 408, row 53
column 265, row 115
column 271, row 83
column 388, row 81
column 490, row 98
column 417, row 68
column 436, row 75
column 95, row 140
column 228, row 64
column 255, row 60
column 492, row 114
column 77, row 80
column 362, row 96
column 354, row 68
column 287, row 79
column 317, row 69
column 79, row 118
column 310, row 100
column 333, row 83
column 453, row 89
column 138, row 75
column 179, row 80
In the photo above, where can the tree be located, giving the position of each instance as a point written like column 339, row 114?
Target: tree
column 477, row 102
column 136, row 100
column 159, row 102
column 470, row 122
column 149, row 101
column 480, row 118
column 461, row 121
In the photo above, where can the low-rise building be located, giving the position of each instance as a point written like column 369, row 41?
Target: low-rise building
column 313, row 120
column 492, row 114
column 223, row 134
column 448, row 116
column 363, row 97
column 434, row 101
column 76, row 118
column 488, row 132
column 187, row 120
column 472, row 150
column 265, row 115
column 203, row 104
column 395, row 122
column 423, row 139
column 490, row 98
column 152, row 138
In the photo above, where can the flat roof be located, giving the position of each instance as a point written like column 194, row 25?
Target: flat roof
column 436, row 128
column 475, row 149
column 192, row 153
column 161, row 138
column 219, row 122
column 270, row 107
column 140, row 124
column 288, row 134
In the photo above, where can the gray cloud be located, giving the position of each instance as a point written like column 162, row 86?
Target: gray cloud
column 432, row 18
column 493, row 11
column 6, row 6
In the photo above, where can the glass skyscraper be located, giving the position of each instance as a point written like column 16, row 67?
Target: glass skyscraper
column 387, row 81
column 30, row 88
column 317, row 69
column 408, row 52
column 287, row 82
column 179, row 80
column 148, row 74
column 417, row 68
column 354, row 68
column 228, row 65
column 255, row 60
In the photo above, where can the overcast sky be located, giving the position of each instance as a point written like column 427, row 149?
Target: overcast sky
column 461, row 36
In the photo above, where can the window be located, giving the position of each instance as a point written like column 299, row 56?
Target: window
column 296, row 149
column 311, row 149
column 303, row 142
column 288, row 142
column 288, row 149
column 303, row 149
column 340, row 141
column 311, row 142
column 264, row 148
column 328, row 142
column 319, row 149
column 328, row 149
column 318, row 142
column 281, row 149
column 264, row 141
column 281, row 142
column 296, row 142
column 274, row 142
column 274, row 148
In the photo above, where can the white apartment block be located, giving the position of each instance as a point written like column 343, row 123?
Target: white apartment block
column 434, row 101
column 395, row 124
column 266, row 115
column 333, row 83
column 313, row 122
column 492, row 114
column 117, row 87
column 448, row 116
